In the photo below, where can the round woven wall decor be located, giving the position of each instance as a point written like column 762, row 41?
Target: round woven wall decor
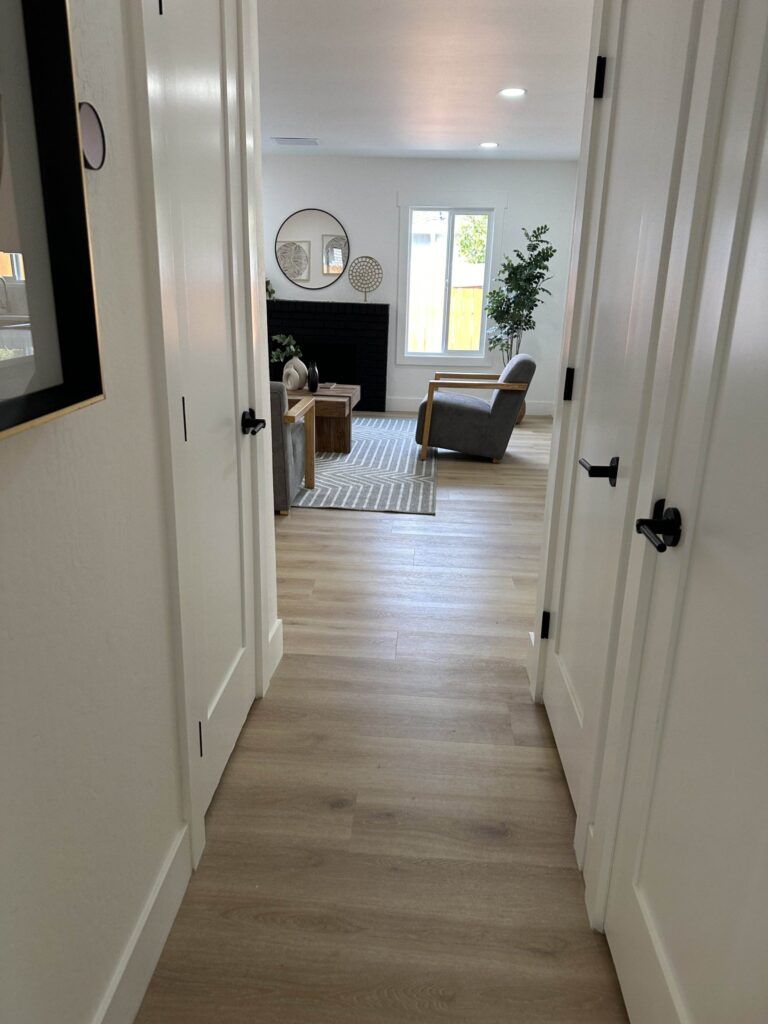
column 365, row 274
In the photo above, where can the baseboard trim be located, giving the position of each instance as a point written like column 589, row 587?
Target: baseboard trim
column 539, row 408
column 412, row 405
column 133, row 973
column 274, row 651
column 404, row 404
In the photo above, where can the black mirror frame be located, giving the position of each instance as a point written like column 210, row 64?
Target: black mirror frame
column 306, row 209
column 57, row 129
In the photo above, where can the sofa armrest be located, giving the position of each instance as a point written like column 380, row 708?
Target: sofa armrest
column 300, row 409
column 305, row 409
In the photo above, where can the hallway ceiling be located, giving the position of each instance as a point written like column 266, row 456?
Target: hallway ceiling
column 421, row 77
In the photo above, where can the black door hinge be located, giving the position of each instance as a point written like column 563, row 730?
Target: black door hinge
column 160, row 5
column 184, row 414
column 568, row 389
column 200, row 736
column 545, row 625
column 597, row 92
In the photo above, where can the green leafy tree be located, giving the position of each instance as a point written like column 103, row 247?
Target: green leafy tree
column 472, row 238
column 521, row 287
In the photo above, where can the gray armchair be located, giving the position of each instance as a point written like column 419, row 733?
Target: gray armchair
column 293, row 446
column 473, row 425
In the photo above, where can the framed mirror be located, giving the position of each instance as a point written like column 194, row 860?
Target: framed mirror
column 312, row 248
column 49, row 351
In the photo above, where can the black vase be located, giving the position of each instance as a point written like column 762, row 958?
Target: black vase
column 313, row 378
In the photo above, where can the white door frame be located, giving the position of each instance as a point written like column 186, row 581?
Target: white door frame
column 164, row 326
column 700, row 172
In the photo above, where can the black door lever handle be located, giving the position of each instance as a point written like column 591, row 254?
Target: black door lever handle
column 664, row 529
column 249, row 424
column 611, row 471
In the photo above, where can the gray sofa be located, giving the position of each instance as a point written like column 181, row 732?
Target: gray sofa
column 293, row 446
column 472, row 425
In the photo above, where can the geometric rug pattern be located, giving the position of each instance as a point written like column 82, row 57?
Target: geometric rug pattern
column 382, row 473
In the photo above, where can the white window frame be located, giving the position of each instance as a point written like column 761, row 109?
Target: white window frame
column 494, row 204
column 16, row 266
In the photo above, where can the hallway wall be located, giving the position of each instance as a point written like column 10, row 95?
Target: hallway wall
column 91, row 804
column 363, row 193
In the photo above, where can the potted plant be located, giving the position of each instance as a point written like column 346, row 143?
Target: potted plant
column 286, row 350
column 521, row 286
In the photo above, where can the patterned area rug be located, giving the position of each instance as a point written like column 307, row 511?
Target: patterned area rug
column 382, row 473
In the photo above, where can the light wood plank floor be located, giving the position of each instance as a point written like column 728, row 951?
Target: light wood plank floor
column 391, row 842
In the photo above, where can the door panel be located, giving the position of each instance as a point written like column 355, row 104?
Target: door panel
column 195, row 113
column 687, row 917
column 650, row 90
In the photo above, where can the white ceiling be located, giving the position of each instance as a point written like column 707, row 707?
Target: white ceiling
column 421, row 77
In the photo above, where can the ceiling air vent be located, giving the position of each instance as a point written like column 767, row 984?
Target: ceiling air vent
column 288, row 140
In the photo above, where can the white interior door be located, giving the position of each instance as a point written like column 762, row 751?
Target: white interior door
column 193, row 67
column 687, row 914
column 649, row 82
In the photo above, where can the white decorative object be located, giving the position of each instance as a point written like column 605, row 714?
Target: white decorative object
column 294, row 369
column 291, row 378
column 365, row 274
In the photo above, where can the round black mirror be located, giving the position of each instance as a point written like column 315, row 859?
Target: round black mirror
column 312, row 248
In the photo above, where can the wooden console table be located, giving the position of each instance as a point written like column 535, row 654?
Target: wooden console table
column 333, row 415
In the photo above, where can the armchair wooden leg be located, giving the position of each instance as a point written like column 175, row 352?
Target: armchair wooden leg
column 427, row 424
column 309, row 449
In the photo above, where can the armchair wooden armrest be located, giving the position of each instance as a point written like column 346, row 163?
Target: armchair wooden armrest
column 305, row 409
column 441, row 374
column 479, row 381
column 485, row 385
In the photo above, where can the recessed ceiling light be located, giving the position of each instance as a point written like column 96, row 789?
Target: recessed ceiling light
column 513, row 92
column 489, row 145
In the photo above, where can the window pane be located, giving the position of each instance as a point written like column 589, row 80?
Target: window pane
column 470, row 247
column 428, row 247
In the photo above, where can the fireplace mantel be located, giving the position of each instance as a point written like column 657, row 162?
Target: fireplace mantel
column 347, row 340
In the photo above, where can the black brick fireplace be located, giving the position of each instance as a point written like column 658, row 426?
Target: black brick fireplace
column 347, row 340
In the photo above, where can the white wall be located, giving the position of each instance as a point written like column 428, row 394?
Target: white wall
column 91, row 804
column 363, row 192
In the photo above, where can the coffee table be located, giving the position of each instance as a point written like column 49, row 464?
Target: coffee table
column 333, row 415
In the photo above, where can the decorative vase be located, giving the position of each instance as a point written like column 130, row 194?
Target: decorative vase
column 296, row 366
column 313, row 378
column 291, row 378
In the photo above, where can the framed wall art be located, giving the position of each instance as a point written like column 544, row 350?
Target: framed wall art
column 49, row 345
column 294, row 259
